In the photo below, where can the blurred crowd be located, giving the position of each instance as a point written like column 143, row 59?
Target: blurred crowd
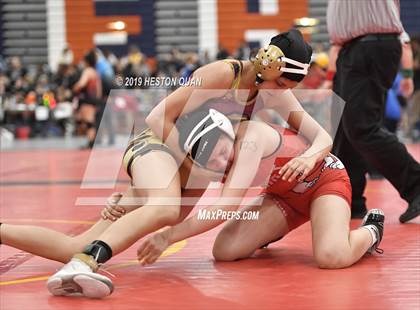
column 38, row 102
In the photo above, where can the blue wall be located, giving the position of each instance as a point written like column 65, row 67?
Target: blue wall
column 146, row 40
column 410, row 16
column 253, row 6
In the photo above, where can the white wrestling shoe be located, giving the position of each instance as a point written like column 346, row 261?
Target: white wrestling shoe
column 78, row 278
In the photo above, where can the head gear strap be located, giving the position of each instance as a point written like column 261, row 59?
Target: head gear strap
column 270, row 63
column 220, row 121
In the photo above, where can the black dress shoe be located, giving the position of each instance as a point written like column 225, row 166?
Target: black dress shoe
column 412, row 211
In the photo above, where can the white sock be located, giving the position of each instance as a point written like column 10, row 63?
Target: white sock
column 372, row 230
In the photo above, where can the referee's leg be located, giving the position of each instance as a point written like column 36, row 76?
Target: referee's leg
column 369, row 71
column 351, row 158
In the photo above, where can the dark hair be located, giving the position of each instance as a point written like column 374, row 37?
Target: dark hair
column 91, row 58
column 294, row 47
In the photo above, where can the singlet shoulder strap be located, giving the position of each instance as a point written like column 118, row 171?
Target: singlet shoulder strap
column 237, row 67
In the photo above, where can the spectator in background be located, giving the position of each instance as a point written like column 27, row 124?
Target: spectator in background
column 394, row 102
column 243, row 52
column 15, row 70
column 222, row 53
column 4, row 81
column 176, row 62
column 111, row 58
column 205, row 58
column 312, row 96
column 3, row 65
column 71, row 74
column 414, row 104
column 316, row 73
column 366, row 34
column 134, row 63
column 105, row 71
column 107, row 75
column 191, row 64
column 66, row 57
column 89, row 90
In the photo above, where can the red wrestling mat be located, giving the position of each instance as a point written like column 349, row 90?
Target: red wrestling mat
column 41, row 188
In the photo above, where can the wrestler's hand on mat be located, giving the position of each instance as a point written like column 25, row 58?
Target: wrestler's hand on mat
column 298, row 167
column 112, row 211
column 152, row 247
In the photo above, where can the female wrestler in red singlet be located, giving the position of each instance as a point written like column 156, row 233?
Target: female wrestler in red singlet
column 261, row 152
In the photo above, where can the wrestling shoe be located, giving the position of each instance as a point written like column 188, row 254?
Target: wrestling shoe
column 77, row 277
column 376, row 218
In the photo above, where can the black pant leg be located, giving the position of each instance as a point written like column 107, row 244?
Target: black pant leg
column 342, row 147
column 368, row 70
column 355, row 166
